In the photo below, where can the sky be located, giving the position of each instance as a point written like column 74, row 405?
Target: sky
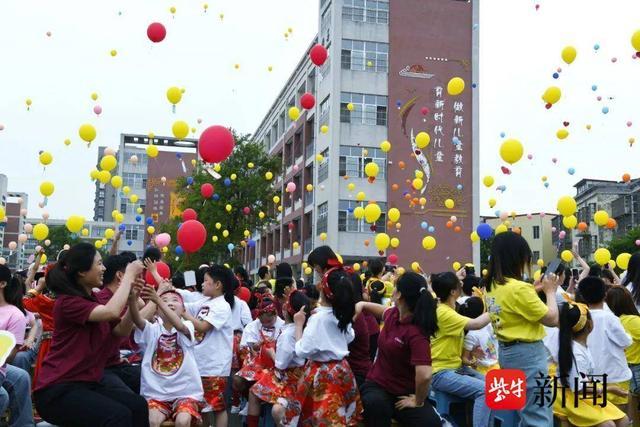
column 519, row 51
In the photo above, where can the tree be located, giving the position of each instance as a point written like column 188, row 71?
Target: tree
column 250, row 189
column 626, row 243
column 485, row 252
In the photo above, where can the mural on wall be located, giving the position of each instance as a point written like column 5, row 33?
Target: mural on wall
column 418, row 78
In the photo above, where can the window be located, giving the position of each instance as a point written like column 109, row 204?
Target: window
column 325, row 27
column 131, row 234
column 134, row 179
column 347, row 222
column 323, row 213
column 325, row 107
column 372, row 11
column 144, row 183
column 536, row 232
column 123, row 207
column 367, row 109
column 101, row 203
column 536, row 256
column 353, row 161
column 365, row 56
column 323, row 169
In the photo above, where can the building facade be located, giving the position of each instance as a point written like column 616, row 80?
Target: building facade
column 15, row 202
column 382, row 81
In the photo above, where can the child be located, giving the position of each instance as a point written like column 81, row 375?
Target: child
column 620, row 301
column 170, row 378
column 608, row 339
column 481, row 345
column 574, row 359
column 211, row 318
column 280, row 387
column 327, row 393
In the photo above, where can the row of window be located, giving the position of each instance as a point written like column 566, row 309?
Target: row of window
column 135, row 179
column 353, row 161
column 346, row 220
column 367, row 109
column 371, row 11
column 359, row 55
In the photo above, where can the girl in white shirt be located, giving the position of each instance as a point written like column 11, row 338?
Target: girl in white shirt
column 170, row 378
column 574, row 361
column 280, row 386
column 327, row 393
column 480, row 346
column 211, row 318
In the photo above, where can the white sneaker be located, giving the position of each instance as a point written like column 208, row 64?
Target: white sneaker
column 235, row 409
column 244, row 411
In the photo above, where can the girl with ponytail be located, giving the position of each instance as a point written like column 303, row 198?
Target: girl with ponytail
column 327, row 393
column 574, row 359
column 398, row 383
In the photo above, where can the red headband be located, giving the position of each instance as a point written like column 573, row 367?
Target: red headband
column 264, row 307
column 287, row 306
column 324, row 283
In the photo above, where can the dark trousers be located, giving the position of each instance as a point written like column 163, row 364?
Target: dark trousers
column 81, row 404
column 373, row 346
column 129, row 374
column 379, row 409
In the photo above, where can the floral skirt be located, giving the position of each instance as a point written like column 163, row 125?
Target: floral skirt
column 279, row 387
column 327, row 395
column 236, row 360
column 254, row 363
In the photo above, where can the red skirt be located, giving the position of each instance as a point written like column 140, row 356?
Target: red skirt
column 280, row 387
column 255, row 363
column 327, row 395
column 237, row 357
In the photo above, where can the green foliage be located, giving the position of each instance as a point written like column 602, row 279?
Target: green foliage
column 626, row 243
column 249, row 189
column 485, row 252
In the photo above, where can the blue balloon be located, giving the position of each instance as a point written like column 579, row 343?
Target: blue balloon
column 398, row 103
column 138, row 218
column 497, row 212
column 455, row 140
column 571, row 171
column 605, row 110
column 189, row 180
column 596, row 46
column 459, row 187
column 227, row 182
column 149, row 221
column 431, row 229
column 350, row 210
column 484, row 230
column 475, row 26
column 179, row 225
column 122, row 227
column 252, row 243
column 179, row 250
column 546, row 185
column 230, row 246
column 178, row 156
column 556, row 75
column 473, row 85
column 502, row 134
column 129, row 242
column 594, row 88
column 424, row 225
column 216, row 197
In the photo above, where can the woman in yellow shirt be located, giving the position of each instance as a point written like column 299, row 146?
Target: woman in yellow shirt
column 620, row 302
column 518, row 316
column 449, row 375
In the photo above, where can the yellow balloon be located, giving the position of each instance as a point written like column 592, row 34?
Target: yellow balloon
column 422, row 140
column 108, row 163
column 488, row 181
column 417, row 183
column 85, row 232
column 40, row 231
column 394, row 214
column 294, row 113
column 98, row 244
column 540, row 262
column 570, row 222
column 113, row 52
column 228, row 208
column 120, row 217
column 214, row 238
column 602, row 256
column 152, row 151
column 569, row 54
column 511, row 151
column 94, row 96
column 429, row 243
column 309, row 187
column 151, row 229
column 356, row 266
column 225, row 233
column 612, row 264
column 319, row 157
column 261, row 215
column 623, row 260
column 567, row 205
column 47, row 188
column 360, row 196
column 501, row 229
column 45, row 158
column 308, row 271
column 419, row 174
column 449, row 204
column 350, row 107
column 126, row 190
column 87, row 132
column 3, row 213
column 385, row 146
column 562, row 134
column 218, row 225
column 566, row 256
column 492, row 202
column 456, row 266
column 371, row 169
column 351, row 186
column 324, row 129
column 74, row 223
column 104, row 176
column 474, row 237
column 250, row 165
column 174, row 95
column 536, row 275
column 268, row 176
column 180, row 129
column 395, row 242
column 323, row 236
column 358, row 212
column 455, row 86
column 415, row 266
column 133, row 198
column 552, row 95
column 67, row 142
column 601, row 218
column 382, row 241
column 114, row 213
column 116, row 181
column 233, row 176
column 276, row 199
column 635, row 41
column 109, row 233
column 372, row 213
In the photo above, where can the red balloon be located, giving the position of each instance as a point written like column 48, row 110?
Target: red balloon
column 206, row 190
column 163, row 270
column 291, row 226
column 318, row 54
column 191, row 236
column 156, row 32
column 307, row 101
column 216, row 144
column 424, row 111
column 246, row 210
column 393, row 259
column 189, row 214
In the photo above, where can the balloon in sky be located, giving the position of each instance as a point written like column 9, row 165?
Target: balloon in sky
column 180, row 129
column 87, row 132
column 488, row 181
column 108, row 163
column 552, row 95
column 47, row 188
column 152, row 151
column 45, row 158
column 635, row 41
column 511, row 151
column 40, row 232
column 216, row 144
column 191, row 236
column 174, row 95
column 318, row 54
column 156, row 32
column 569, row 54
column 307, row 101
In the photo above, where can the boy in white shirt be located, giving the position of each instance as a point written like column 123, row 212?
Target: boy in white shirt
column 170, row 378
column 480, row 346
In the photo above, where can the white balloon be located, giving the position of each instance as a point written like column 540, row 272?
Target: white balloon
column 45, row 215
column 23, row 212
column 133, row 160
column 2, row 261
column 109, row 151
column 66, row 247
column 23, row 238
column 38, row 248
column 28, row 228
column 12, row 246
column 47, row 242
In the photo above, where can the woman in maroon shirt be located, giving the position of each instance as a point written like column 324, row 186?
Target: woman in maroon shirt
column 70, row 390
column 398, row 383
column 359, row 358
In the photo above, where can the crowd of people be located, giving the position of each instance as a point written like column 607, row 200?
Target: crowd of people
column 97, row 344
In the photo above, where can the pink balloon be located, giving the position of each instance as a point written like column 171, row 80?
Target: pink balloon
column 530, row 156
column 23, row 212
column 1, row 127
column 562, row 234
column 296, row 168
column 504, row 215
column 189, row 214
column 28, row 228
column 553, row 229
column 216, row 144
column 40, row 205
column 629, row 123
column 246, row 210
column 45, row 215
column 12, row 246
column 23, row 238
column 163, row 239
column 97, row 110
column 638, row 242
column 393, row 259
column 424, row 111
column 291, row 187
column 529, row 216
column 542, row 214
